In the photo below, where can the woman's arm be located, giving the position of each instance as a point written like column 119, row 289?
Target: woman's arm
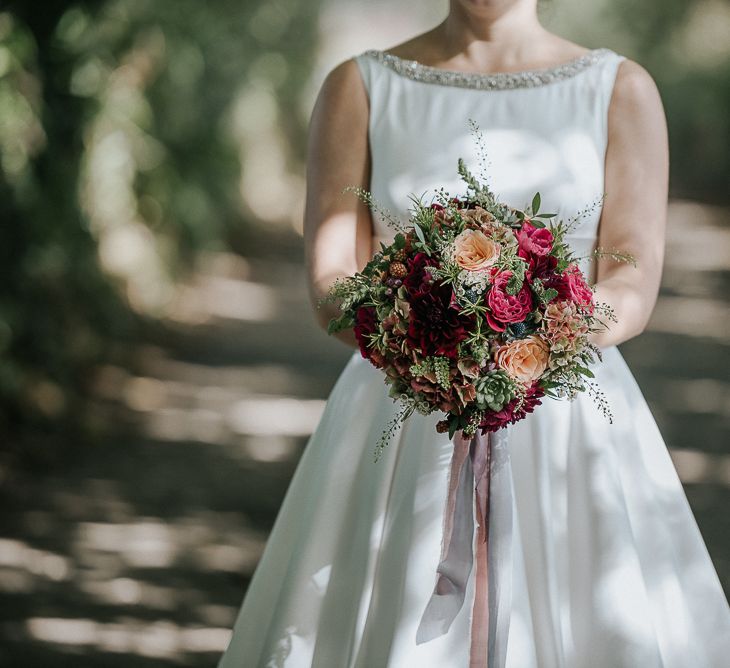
column 337, row 227
column 635, row 209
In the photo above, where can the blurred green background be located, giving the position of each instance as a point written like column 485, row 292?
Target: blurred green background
column 151, row 195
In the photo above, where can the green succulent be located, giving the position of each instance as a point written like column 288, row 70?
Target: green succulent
column 494, row 390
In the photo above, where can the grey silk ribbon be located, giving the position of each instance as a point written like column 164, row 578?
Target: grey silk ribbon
column 480, row 467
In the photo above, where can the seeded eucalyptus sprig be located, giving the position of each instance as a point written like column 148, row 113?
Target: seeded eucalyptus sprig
column 480, row 193
column 614, row 254
column 573, row 220
column 404, row 412
column 366, row 197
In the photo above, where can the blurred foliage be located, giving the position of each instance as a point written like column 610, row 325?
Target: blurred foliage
column 684, row 45
column 119, row 161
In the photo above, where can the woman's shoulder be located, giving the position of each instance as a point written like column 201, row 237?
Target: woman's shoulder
column 636, row 110
column 632, row 79
column 634, row 91
column 344, row 81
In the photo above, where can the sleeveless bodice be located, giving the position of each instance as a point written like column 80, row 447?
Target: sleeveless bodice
column 543, row 130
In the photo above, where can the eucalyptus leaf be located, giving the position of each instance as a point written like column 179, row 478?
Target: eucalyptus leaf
column 419, row 234
column 585, row 371
column 535, row 203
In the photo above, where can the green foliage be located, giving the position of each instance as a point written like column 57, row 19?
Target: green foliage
column 153, row 86
column 517, row 280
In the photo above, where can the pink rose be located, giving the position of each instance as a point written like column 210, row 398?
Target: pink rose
column 505, row 308
column 572, row 286
column 534, row 241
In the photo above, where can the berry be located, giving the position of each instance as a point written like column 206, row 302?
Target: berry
column 398, row 270
column 399, row 256
column 472, row 295
column 519, row 329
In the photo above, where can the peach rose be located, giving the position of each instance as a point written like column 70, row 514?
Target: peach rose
column 475, row 251
column 525, row 359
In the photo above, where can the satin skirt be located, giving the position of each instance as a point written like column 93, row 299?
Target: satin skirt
column 608, row 566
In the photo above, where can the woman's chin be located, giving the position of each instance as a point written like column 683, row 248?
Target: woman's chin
column 486, row 8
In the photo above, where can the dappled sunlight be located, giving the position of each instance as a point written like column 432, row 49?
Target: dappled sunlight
column 128, row 591
column 18, row 555
column 156, row 639
column 269, row 448
column 150, row 544
column 696, row 395
column 214, row 415
column 225, row 298
column 271, row 192
column 185, row 424
column 709, row 248
column 691, row 316
column 286, row 416
column 697, row 467
column 117, row 148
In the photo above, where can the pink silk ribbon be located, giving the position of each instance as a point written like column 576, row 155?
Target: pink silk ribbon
column 479, row 489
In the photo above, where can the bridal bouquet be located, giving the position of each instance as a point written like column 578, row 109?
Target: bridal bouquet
column 475, row 309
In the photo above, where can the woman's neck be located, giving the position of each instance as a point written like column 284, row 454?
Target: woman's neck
column 507, row 36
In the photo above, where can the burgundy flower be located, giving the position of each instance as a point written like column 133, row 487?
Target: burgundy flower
column 572, row 286
column 417, row 277
column 534, row 241
column 540, row 266
column 511, row 413
column 366, row 323
column 436, row 325
column 506, row 308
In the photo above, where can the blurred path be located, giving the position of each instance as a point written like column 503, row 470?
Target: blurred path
column 137, row 552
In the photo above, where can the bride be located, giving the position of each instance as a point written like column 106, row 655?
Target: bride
column 607, row 567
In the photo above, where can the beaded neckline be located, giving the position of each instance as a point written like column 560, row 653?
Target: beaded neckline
column 486, row 81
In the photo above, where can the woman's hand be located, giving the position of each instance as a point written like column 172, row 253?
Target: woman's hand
column 634, row 214
column 337, row 227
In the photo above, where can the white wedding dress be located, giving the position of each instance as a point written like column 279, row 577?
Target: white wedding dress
column 608, row 568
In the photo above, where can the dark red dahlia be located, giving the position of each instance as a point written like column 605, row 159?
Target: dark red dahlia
column 417, row 277
column 511, row 413
column 366, row 323
column 436, row 325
